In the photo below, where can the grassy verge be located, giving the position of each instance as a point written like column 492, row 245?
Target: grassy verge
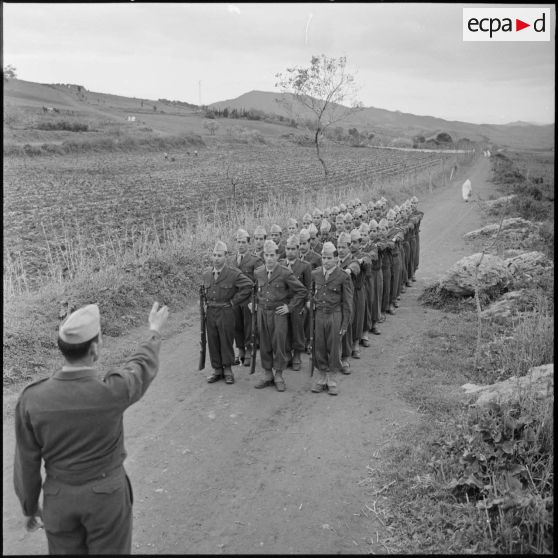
column 466, row 479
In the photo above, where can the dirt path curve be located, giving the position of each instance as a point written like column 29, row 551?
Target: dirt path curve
column 230, row 469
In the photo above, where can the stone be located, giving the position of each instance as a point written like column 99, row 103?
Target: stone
column 538, row 383
column 460, row 278
column 513, row 226
column 509, row 305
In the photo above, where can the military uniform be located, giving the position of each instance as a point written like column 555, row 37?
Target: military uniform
column 360, row 286
column 315, row 245
column 296, row 340
column 395, row 282
column 281, row 287
column 247, row 264
column 333, row 302
column 73, row 421
column 374, row 287
column 312, row 258
column 385, row 256
column 229, row 291
column 350, row 263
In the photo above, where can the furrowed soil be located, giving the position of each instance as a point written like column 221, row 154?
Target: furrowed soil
column 230, row 469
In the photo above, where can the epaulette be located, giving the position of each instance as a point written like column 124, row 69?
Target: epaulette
column 39, row 381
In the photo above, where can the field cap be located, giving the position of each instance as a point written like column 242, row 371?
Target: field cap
column 344, row 238
column 342, row 207
column 414, row 200
column 312, row 229
column 373, row 224
column 328, row 248
column 293, row 241
column 220, row 246
column 307, row 217
column 355, row 235
column 364, row 228
column 82, row 325
column 276, row 229
column 241, row 234
column 339, row 218
column 347, row 217
column 390, row 214
column 357, row 212
column 292, row 221
column 260, row 230
column 325, row 225
column 383, row 223
column 357, row 202
column 317, row 212
column 269, row 246
column 304, row 235
column 335, row 210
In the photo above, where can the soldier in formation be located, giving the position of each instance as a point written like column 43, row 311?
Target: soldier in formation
column 348, row 265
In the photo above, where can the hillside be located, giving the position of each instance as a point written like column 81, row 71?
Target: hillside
column 396, row 124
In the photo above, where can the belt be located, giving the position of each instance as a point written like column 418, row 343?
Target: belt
column 214, row 304
column 75, row 478
column 328, row 310
column 270, row 306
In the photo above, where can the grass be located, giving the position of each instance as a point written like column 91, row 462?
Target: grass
column 467, row 479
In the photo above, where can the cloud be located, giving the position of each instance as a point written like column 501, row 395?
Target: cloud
column 233, row 9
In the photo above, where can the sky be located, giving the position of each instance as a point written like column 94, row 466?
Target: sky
column 409, row 57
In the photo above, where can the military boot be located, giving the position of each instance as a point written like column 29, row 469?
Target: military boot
column 320, row 383
column 345, row 366
column 229, row 378
column 356, row 351
column 331, row 383
column 279, row 382
column 296, row 360
column 364, row 341
column 265, row 380
column 216, row 376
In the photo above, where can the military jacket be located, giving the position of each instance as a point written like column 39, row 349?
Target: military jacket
column 365, row 265
column 258, row 254
column 312, row 258
column 281, row 288
column 302, row 271
column 73, row 420
column 315, row 245
column 371, row 248
column 351, row 263
column 247, row 265
column 231, row 288
column 334, row 294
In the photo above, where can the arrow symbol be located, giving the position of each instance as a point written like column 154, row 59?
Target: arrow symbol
column 519, row 25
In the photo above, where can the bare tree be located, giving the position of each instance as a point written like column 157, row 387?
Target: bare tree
column 318, row 91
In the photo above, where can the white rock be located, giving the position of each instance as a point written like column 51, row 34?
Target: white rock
column 460, row 278
column 538, row 383
column 517, row 224
column 510, row 304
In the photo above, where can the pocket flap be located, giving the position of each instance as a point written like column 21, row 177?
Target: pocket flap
column 107, row 486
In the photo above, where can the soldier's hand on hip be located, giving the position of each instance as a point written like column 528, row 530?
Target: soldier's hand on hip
column 282, row 310
column 34, row 522
column 158, row 317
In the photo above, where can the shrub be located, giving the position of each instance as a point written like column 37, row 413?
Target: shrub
column 63, row 125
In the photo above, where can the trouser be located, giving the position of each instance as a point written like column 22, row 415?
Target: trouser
column 296, row 339
column 406, row 252
column 220, row 336
column 377, row 284
column 417, row 251
column 327, row 341
column 412, row 258
column 273, row 330
column 91, row 518
column 386, row 286
column 243, row 328
column 395, row 275
column 358, row 318
column 369, row 282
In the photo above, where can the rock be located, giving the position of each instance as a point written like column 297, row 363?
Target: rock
column 528, row 262
column 460, row 278
column 512, row 226
column 500, row 202
column 509, row 305
column 538, row 382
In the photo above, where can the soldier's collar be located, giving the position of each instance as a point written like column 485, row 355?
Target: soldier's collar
column 69, row 372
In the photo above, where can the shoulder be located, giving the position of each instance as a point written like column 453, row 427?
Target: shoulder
column 31, row 388
column 260, row 270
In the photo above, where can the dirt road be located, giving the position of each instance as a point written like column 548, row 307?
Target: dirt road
column 230, row 469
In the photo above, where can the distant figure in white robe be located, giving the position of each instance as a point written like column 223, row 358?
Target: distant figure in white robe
column 467, row 190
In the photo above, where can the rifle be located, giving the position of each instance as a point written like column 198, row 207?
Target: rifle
column 203, row 335
column 254, row 328
column 311, row 328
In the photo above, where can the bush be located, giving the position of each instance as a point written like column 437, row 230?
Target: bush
column 63, row 125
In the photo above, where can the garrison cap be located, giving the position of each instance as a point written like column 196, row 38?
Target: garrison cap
column 335, row 209
column 383, row 222
column 357, row 212
column 390, row 214
column 291, row 222
column 327, row 211
column 357, row 202
column 371, row 204
column 414, row 199
column 328, row 248
column 355, row 235
column 242, row 234
column 312, row 229
column 325, row 225
column 260, row 230
column 347, row 217
column 342, row 208
column 307, row 217
column 373, row 224
column 344, row 238
column 275, row 229
column 81, row 325
column 339, row 218
column 220, row 246
column 317, row 211
column 364, row 228
column 293, row 241
column 304, row 234
column 269, row 246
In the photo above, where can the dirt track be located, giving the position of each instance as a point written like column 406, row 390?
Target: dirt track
column 230, row 469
